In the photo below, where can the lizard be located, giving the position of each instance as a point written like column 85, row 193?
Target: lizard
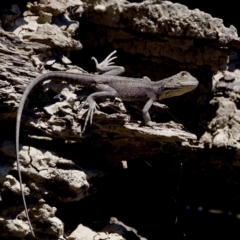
column 110, row 85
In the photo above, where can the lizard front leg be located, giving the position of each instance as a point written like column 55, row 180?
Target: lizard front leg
column 105, row 92
column 145, row 113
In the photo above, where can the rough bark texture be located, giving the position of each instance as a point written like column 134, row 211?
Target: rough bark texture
column 64, row 170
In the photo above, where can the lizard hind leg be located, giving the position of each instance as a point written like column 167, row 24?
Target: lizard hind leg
column 104, row 92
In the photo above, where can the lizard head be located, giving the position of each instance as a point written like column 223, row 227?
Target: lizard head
column 178, row 84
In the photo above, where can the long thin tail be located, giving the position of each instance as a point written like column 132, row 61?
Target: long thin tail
column 57, row 76
column 29, row 88
column 18, row 120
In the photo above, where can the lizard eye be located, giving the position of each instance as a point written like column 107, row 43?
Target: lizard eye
column 183, row 74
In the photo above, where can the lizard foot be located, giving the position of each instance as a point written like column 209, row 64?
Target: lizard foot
column 108, row 61
column 92, row 108
column 151, row 124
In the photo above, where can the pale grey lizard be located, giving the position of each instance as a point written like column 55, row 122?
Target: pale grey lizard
column 109, row 85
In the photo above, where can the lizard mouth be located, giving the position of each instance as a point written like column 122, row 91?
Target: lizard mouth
column 168, row 93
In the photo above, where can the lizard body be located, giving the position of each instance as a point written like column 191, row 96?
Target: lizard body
column 110, row 85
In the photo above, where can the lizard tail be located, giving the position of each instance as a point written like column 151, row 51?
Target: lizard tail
column 19, row 114
column 30, row 87
column 59, row 76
